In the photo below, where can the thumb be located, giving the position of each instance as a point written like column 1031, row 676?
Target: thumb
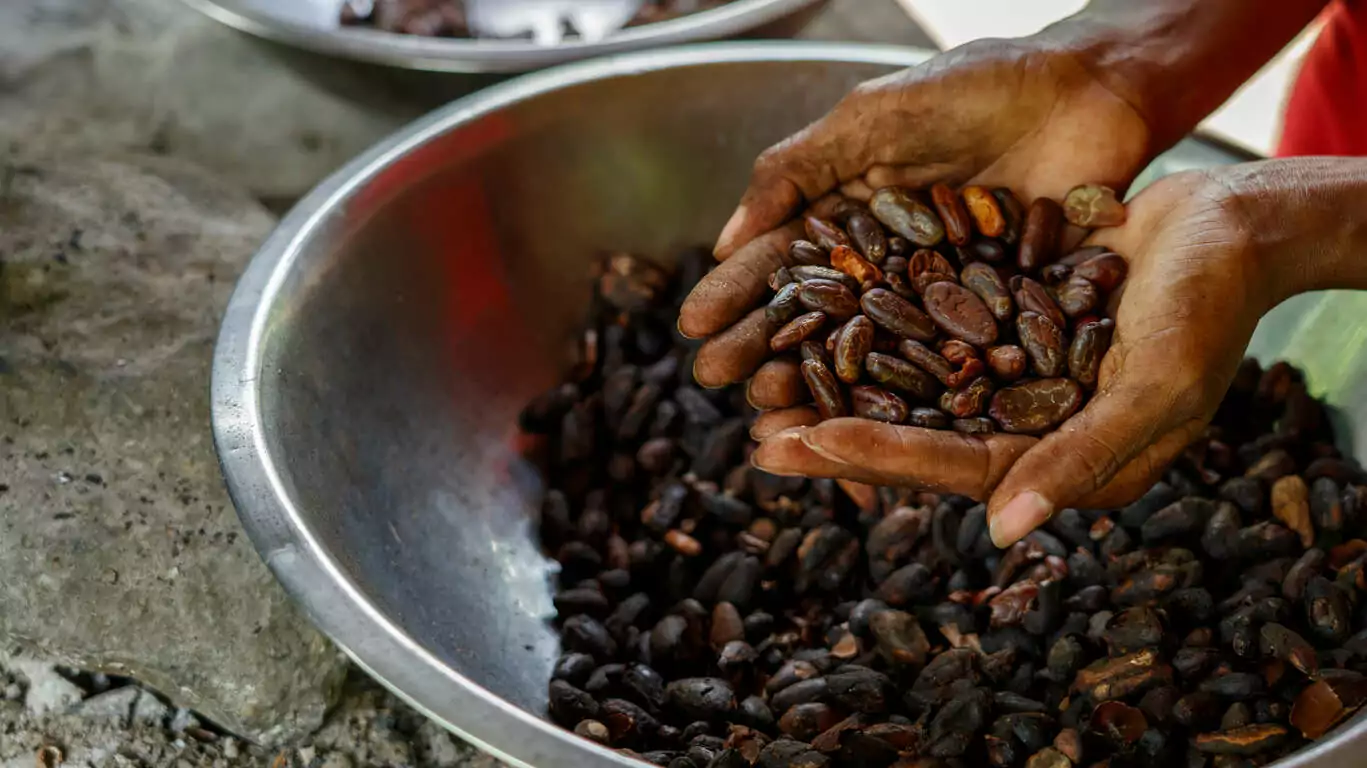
column 1084, row 455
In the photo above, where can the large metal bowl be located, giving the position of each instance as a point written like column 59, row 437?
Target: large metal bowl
column 313, row 25
column 378, row 348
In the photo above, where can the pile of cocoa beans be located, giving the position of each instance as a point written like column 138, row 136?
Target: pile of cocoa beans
column 715, row 616
column 449, row 18
column 949, row 309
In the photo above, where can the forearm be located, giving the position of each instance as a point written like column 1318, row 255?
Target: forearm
column 1306, row 220
column 1175, row 61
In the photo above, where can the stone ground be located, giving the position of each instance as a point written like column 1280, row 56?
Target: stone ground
column 143, row 149
column 93, row 721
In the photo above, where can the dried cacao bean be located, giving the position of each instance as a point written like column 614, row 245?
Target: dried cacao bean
column 1040, row 236
column 1036, row 407
column 952, row 212
column 1044, row 342
column 900, row 211
column 961, row 314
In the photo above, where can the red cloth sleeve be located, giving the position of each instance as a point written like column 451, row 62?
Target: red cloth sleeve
column 1327, row 111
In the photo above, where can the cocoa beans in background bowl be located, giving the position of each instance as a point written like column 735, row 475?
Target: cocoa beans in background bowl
column 379, row 349
column 328, row 27
column 949, row 308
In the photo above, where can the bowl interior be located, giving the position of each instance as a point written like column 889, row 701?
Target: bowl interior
column 440, row 297
column 420, row 307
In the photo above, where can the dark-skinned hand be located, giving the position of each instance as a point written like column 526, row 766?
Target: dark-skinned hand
column 1177, row 342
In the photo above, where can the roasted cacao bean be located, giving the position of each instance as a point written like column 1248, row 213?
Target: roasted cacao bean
column 1040, row 236
column 961, row 314
column 1013, row 214
column 898, row 374
column 983, row 207
column 825, row 388
column 852, row 345
column 868, row 236
column 1044, row 342
column 835, row 300
column 797, row 331
column 878, row 405
column 1093, row 205
column 989, row 286
column 900, row 211
column 1090, row 344
column 958, row 227
column 1007, row 362
column 805, row 252
column 825, row 233
column 1036, row 407
column 897, row 315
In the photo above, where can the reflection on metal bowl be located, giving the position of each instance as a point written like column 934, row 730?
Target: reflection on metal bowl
column 379, row 347
column 315, row 25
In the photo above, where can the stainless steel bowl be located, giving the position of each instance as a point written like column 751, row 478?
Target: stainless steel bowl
column 378, row 348
column 313, row 25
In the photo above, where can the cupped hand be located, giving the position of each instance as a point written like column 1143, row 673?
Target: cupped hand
column 1183, row 319
column 1016, row 113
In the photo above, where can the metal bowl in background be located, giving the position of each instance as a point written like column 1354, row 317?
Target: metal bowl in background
column 313, row 25
column 380, row 345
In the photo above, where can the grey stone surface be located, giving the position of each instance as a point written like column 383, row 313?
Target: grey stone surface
column 116, row 705
column 369, row 728
column 97, row 76
column 47, row 691
column 149, row 710
column 94, row 76
column 119, row 549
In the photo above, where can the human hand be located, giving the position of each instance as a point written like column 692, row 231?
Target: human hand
column 1020, row 114
column 1183, row 318
column 994, row 112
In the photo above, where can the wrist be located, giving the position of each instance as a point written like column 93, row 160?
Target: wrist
column 1098, row 49
column 1176, row 61
column 1305, row 221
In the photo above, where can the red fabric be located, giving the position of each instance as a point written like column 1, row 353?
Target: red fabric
column 1327, row 111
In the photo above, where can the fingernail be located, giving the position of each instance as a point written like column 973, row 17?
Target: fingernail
column 772, row 447
column 728, row 232
column 1021, row 515
column 699, row 381
column 812, row 439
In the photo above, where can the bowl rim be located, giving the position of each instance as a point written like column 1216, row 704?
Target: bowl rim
column 280, row 533
column 459, row 55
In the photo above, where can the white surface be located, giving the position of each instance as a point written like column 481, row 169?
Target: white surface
column 1251, row 119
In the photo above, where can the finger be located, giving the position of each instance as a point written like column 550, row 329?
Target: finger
column 947, row 462
column 770, row 423
column 799, row 169
column 880, row 176
column 1082, row 456
column 858, row 189
column 1135, row 478
column 784, row 453
column 735, row 353
column 777, row 384
column 736, row 285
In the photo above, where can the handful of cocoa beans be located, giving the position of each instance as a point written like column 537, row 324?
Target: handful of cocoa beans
column 949, row 309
